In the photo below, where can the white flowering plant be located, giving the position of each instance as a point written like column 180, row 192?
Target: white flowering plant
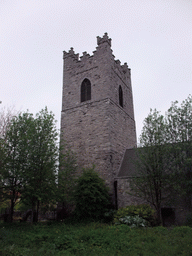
column 133, row 221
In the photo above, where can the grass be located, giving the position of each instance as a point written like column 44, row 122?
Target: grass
column 58, row 238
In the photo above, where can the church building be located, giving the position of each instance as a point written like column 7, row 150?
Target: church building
column 98, row 124
column 97, row 118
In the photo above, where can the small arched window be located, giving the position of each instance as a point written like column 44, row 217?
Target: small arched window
column 85, row 90
column 120, row 96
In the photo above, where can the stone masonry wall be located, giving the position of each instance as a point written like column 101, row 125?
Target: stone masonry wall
column 98, row 130
column 124, row 197
column 85, row 129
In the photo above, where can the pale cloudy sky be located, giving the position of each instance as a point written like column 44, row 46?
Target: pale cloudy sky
column 153, row 36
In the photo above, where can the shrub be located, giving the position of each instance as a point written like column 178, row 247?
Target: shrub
column 91, row 196
column 143, row 210
column 134, row 221
column 109, row 215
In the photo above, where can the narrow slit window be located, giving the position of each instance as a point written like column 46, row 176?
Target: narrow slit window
column 120, row 96
column 85, row 90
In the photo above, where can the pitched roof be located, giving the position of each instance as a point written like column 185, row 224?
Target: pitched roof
column 128, row 166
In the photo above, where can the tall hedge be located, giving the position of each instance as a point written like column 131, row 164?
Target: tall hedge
column 91, row 196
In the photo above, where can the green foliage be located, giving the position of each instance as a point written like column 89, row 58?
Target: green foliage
column 5, row 204
column 179, row 122
column 164, row 165
column 42, row 161
column 109, row 216
column 29, row 163
column 30, row 159
column 91, row 196
column 15, row 155
column 153, row 132
column 66, row 175
column 93, row 239
column 144, row 211
column 134, row 221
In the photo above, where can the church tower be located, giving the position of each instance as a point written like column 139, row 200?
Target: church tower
column 97, row 118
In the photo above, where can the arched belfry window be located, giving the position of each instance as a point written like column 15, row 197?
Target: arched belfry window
column 120, row 96
column 85, row 90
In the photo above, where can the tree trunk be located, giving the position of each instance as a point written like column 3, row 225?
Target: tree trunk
column 11, row 210
column 32, row 212
column 37, row 212
column 159, row 215
column 12, row 206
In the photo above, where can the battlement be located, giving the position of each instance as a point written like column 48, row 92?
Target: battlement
column 71, row 54
column 85, row 56
column 105, row 38
column 72, row 59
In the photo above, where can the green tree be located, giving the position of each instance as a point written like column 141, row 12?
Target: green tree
column 6, row 115
column 3, row 203
column 40, row 175
column 164, row 165
column 31, row 160
column 179, row 137
column 66, row 178
column 1, row 170
column 14, row 161
column 91, row 195
column 152, row 178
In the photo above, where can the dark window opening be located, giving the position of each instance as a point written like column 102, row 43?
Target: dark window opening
column 85, row 90
column 168, row 216
column 120, row 96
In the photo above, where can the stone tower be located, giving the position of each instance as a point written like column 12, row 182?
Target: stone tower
column 97, row 118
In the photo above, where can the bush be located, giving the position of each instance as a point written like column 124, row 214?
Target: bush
column 91, row 196
column 134, row 221
column 109, row 215
column 143, row 210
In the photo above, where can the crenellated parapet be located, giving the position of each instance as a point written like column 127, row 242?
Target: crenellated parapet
column 85, row 56
column 71, row 54
column 122, row 68
column 104, row 39
column 103, row 51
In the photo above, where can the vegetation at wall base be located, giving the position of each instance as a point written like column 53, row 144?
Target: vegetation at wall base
column 29, row 164
column 134, row 221
column 143, row 211
column 59, row 238
column 91, row 196
column 30, row 161
column 164, row 158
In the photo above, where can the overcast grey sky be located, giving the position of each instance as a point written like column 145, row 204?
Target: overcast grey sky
column 153, row 36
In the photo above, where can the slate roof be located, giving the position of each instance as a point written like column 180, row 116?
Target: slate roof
column 128, row 166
